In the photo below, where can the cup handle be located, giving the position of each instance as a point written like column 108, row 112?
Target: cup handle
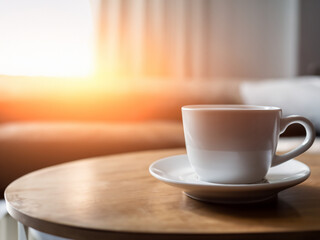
column 310, row 136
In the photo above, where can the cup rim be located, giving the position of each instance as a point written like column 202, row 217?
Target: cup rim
column 228, row 107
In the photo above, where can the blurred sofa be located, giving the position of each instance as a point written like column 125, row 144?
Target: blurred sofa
column 49, row 121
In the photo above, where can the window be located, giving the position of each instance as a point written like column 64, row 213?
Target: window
column 46, row 38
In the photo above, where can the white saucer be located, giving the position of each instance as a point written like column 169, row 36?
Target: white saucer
column 176, row 171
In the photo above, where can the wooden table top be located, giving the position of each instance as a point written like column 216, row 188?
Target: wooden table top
column 115, row 197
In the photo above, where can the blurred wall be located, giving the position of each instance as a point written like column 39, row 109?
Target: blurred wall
column 309, row 50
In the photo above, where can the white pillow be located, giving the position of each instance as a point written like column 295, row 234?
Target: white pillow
column 298, row 96
column 3, row 210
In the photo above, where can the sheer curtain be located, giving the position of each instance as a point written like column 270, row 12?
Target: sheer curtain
column 205, row 39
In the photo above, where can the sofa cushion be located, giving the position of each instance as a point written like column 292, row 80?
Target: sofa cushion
column 25, row 147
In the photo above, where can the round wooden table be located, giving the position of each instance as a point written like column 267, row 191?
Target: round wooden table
column 115, row 197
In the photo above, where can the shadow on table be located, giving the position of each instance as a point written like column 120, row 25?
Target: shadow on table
column 292, row 208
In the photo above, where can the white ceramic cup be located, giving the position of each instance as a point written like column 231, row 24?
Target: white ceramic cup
column 236, row 144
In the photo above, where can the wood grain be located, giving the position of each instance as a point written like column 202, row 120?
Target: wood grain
column 115, row 197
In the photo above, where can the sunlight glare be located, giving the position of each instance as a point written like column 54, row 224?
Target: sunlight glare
column 46, row 38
